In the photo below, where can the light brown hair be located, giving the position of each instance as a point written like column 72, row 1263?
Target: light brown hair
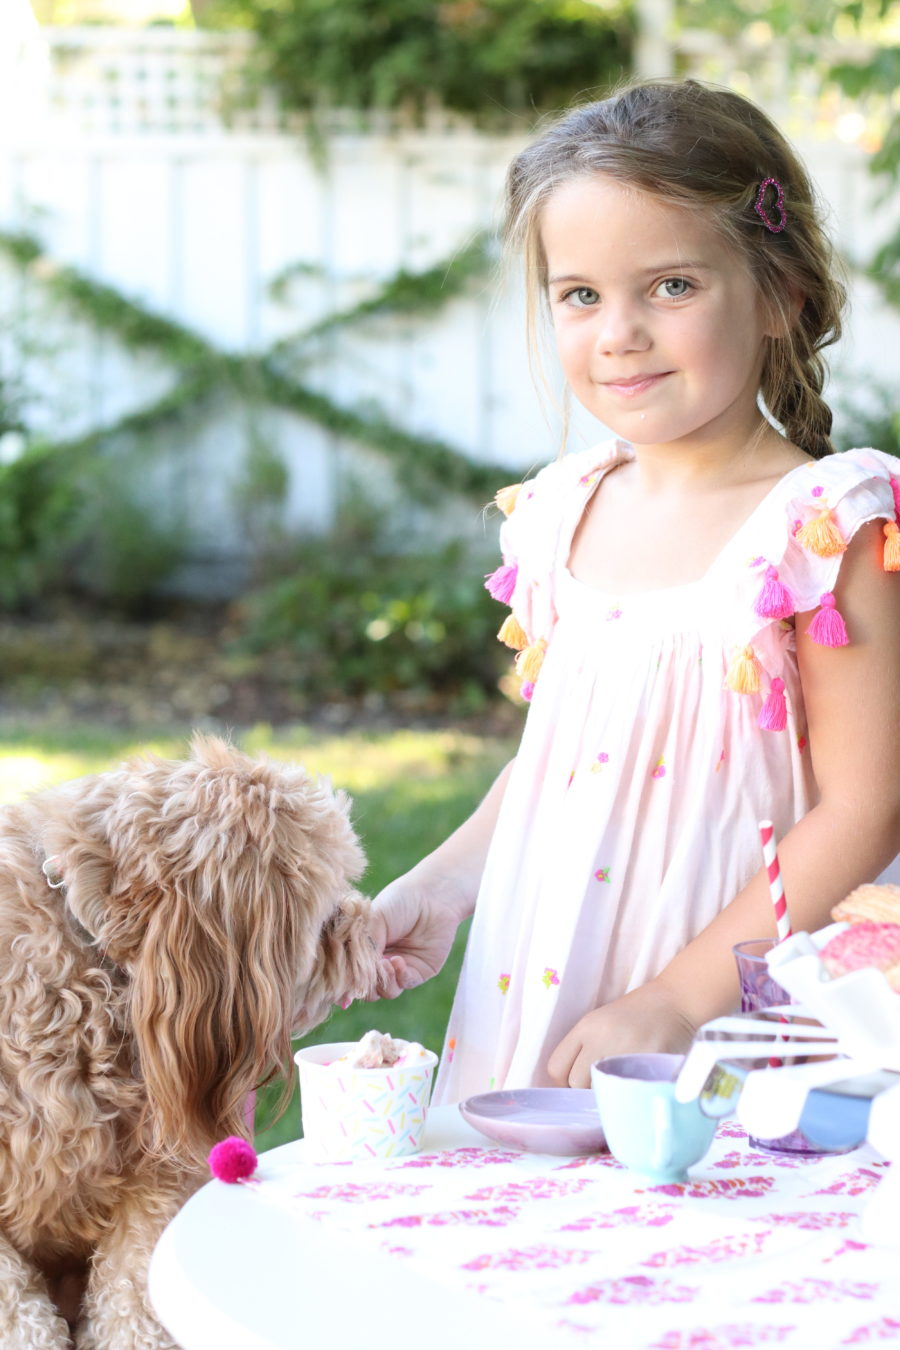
column 692, row 144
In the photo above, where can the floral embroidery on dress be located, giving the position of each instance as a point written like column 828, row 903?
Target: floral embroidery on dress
column 549, row 977
column 602, row 873
column 503, row 984
column 660, row 770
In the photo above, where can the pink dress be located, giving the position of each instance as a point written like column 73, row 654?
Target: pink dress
column 631, row 815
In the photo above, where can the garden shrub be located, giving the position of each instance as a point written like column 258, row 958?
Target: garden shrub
column 490, row 59
column 357, row 615
column 77, row 523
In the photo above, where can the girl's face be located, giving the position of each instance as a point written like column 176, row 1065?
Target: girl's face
column 659, row 325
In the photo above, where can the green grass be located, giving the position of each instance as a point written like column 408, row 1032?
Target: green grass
column 410, row 789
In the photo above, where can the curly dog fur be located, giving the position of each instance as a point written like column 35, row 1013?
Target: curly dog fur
column 164, row 929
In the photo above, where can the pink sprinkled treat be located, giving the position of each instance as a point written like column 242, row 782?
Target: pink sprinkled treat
column 865, row 944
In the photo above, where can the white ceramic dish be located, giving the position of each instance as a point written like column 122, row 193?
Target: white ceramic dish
column 559, row 1121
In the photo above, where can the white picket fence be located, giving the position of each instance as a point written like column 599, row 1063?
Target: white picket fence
column 124, row 152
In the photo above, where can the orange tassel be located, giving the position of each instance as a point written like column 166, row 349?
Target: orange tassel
column 891, row 547
column 507, row 497
column 529, row 662
column 822, row 535
column 512, row 634
column 743, row 673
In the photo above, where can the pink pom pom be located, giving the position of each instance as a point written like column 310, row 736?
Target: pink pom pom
column 232, row 1159
column 828, row 627
column 501, row 584
column 527, row 690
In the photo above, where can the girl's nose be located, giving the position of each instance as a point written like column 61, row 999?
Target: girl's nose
column 620, row 329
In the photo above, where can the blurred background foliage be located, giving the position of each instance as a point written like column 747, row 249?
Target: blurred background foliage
column 852, row 46
column 364, row 611
column 488, row 59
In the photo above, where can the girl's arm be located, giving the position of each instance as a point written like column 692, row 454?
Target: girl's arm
column 852, row 697
column 414, row 919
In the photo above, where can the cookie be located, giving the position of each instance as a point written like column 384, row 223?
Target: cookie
column 879, row 904
column 865, row 943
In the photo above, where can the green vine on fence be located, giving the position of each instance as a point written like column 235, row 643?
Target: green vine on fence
column 422, row 462
column 408, row 292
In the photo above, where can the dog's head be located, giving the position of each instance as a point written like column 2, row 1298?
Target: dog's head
column 222, row 886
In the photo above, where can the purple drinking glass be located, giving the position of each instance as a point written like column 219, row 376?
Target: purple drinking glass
column 759, row 991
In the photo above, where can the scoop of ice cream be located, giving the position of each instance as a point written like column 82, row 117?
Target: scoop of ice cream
column 877, row 904
column 377, row 1050
column 865, row 943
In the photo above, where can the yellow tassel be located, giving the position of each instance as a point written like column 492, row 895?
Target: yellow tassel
column 512, row 634
column 507, row 497
column 891, row 547
column 743, row 673
column 529, row 662
column 822, row 535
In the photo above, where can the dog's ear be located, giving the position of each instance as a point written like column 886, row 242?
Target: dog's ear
column 226, row 872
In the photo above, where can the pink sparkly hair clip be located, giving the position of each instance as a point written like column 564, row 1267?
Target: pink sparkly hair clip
column 759, row 206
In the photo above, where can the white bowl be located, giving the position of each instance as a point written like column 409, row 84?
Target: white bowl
column 353, row 1114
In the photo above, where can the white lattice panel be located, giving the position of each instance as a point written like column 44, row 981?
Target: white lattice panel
column 115, row 82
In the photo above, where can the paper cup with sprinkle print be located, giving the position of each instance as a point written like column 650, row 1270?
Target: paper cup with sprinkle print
column 352, row 1114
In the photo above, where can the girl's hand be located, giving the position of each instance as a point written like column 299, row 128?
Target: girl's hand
column 413, row 923
column 647, row 1019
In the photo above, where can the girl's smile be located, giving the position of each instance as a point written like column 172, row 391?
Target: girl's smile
column 629, row 387
column 660, row 328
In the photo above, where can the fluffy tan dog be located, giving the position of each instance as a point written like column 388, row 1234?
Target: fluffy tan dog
column 164, row 928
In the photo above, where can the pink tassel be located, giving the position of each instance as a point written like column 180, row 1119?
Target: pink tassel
column 773, row 714
column 774, row 600
column 527, row 690
column 827, row 627
column 895, row 489
column 501, row 584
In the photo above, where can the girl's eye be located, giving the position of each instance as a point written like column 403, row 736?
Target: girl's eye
column 581, row 297
column 673, row 288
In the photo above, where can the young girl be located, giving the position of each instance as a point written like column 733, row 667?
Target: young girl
column 707, row 621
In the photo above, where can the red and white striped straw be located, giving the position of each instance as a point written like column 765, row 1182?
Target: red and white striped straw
column 773, row 871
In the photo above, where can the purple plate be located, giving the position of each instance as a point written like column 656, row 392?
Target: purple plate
column 562, row 1121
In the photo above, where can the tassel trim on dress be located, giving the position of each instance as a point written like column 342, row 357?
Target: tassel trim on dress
column 512, row 634
column 743, row 673
column 892, row 546
column 773, row 714
column 501, row 583
column 529, row 661
column 506, row 497
column 827, row 626
column 774, row 600
column 822, row 536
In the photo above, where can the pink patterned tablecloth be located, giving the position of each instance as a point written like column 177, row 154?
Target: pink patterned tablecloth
column 756, row 1249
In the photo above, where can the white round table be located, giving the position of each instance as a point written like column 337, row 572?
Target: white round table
column 231, row 1272
column 473, row 1245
